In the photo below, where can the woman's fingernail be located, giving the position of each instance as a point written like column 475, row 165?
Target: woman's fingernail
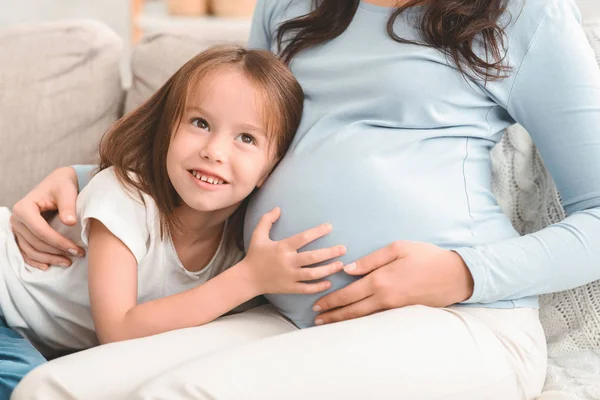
column 73, row 252
column 316, row 308
column 319, row 322
column 350, row 267
column 71, row 218
column 64, row 265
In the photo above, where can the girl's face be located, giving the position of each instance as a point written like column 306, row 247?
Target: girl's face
column 220, row 152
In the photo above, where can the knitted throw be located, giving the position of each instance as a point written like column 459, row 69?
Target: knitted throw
column 571, row 319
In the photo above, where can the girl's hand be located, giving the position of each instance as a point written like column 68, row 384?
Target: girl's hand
column 401, row 274
column 277, row 267
column 41, row 245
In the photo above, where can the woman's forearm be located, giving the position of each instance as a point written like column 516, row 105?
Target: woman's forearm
column 560, row 257
column 193, row 307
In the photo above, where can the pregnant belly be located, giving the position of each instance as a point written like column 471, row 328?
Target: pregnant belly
column 370, row 201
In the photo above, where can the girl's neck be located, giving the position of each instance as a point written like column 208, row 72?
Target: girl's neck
column 197, row 226
column 198, row 235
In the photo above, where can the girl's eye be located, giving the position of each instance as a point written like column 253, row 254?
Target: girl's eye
column 246, row 138
column 200, row 123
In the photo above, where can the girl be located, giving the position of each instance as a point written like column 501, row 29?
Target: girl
column 162, row 219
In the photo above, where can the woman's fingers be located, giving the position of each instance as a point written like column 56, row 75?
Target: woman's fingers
column 356, row 291
column 66, row 199
column 302, row 239
column 30, row 218
column 359, row 309
column 35, row 264
column 311, row 257
column 35, row 242
column 40, row 259
column 314, row 273
column 379, row 258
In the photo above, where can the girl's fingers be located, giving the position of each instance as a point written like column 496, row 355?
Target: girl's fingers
column 311, row 257
column 302, row 239
column 312, row 288
column 39, row 258
column 314, row 273
column 265, row 224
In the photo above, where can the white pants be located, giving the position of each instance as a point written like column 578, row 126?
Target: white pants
column 414, row 353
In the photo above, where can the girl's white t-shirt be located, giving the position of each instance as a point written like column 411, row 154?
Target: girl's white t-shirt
column 52, row 308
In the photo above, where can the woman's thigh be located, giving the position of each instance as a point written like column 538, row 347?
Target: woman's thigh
column 415, row 353
column 112, row 371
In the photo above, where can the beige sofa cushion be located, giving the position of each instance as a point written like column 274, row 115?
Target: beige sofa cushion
column 159, row 55
column 60, row 89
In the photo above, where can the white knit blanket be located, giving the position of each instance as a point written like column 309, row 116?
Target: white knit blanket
column 571, row 319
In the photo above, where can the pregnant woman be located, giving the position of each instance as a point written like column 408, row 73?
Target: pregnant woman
column 404, row 100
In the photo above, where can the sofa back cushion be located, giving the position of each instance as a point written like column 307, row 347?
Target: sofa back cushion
column 159, row 55
column 60, row 89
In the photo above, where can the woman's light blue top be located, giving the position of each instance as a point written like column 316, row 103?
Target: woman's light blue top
column 395, row 145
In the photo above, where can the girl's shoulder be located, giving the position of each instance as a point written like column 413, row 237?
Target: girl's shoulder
column 107, row 184
column 106, row 190
column 128, row 214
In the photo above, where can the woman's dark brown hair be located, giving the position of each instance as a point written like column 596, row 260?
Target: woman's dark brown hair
column 452, row 26
column 136, row 146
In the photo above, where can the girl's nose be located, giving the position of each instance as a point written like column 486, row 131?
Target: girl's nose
column 216, row 149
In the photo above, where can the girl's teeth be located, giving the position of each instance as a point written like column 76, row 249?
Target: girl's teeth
column 207, row 179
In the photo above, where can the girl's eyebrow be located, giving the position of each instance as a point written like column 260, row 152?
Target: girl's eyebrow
column 197, row 109
column 251, row 127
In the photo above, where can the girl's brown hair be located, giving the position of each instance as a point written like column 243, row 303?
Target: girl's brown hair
column 136, row 146
column 451, row 26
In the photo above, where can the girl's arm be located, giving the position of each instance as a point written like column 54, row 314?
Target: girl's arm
column 113, row 285
column 269, row 267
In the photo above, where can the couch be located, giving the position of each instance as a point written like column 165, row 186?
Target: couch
column 60, row 89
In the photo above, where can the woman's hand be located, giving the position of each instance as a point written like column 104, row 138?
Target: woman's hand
column 401, row 274
column 277, row 267
column 41, row 245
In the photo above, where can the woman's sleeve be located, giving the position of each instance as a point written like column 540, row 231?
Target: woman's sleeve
column 556, row 96
column 84, row 174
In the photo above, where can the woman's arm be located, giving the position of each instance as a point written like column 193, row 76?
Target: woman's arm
column 40, row 245
column 556, row 96
column 84, row 174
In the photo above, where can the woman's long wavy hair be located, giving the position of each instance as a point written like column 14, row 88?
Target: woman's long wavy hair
column 452, row 26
